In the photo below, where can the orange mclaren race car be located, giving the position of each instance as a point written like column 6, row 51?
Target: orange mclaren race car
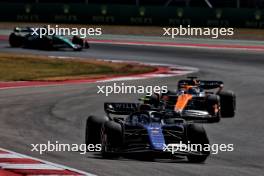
column 194, row 101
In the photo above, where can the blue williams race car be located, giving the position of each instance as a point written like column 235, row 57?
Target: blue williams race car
column 151, row 134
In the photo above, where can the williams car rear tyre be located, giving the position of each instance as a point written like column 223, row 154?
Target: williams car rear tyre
column 93, row 129
column 228, row 103
column 197, row 135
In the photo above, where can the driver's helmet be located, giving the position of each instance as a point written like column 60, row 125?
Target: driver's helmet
column 184, row 89
column 181, row 91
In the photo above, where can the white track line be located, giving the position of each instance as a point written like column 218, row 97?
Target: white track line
column 176, row 46
column 46, row 165
column 29, row 166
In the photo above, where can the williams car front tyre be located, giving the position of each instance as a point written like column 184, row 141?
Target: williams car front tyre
column 111, row 139
column 197, row 135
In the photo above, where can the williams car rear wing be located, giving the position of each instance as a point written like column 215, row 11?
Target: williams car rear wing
column 120, row 108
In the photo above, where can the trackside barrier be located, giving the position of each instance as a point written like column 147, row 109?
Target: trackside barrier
column 131, row 15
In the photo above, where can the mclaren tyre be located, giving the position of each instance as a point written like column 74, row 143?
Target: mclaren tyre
column 228, row 103
column 213, row 107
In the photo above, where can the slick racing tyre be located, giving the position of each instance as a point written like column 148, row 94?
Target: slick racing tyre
column 86, row 45
column 16, row 40
column 152, row 100
column 213, row 107
column 93, row 129
column 79, row 41
column 227, row 103
column 111, row 139
column 197, row 135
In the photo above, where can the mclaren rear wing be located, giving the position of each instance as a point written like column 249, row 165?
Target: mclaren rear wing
column 205, row 84
column 211, row 84
column 120, row 108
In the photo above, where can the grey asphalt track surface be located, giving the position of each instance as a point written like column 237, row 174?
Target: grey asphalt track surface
column 36, row 115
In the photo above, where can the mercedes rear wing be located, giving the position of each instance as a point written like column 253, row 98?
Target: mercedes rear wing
column 23, row 29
